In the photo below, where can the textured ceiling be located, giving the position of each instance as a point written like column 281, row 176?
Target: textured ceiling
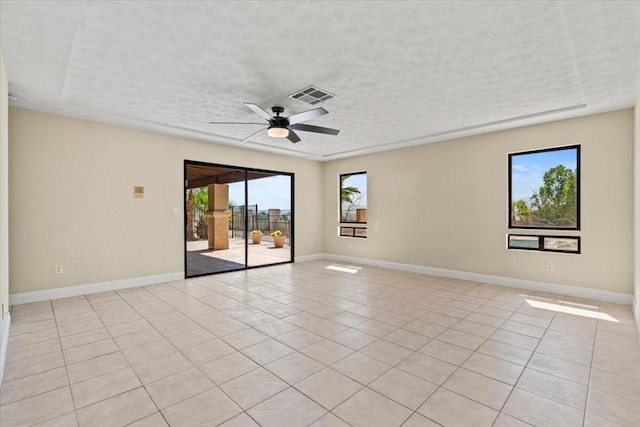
column 403, row 72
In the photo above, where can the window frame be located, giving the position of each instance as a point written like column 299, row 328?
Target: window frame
column 510, row 189
column 340, row 181
column 354, row 231
column 541, row 243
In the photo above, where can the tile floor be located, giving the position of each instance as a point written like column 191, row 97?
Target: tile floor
column 302, row 344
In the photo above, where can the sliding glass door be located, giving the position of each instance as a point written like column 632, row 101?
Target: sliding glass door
column 213, row 244
column 236, row 218
column 269, row 198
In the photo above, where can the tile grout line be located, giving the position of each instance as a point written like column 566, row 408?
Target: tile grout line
column 593, row 353
column 458, row 367
column 142, row 385
column 461, row 367
column 485, row 339
column 180, row 352
column 292, row 385
column 330, row 293
column 196, row 366
column 515, row 385
column 260, row 366
column 64, row 359
column 43, row 372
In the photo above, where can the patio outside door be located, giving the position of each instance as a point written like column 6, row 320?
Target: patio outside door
column 223, row 207
column 269, row 204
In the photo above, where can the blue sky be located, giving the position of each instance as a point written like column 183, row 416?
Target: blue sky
column 528, row 170
column 273, row 192
column 359, row 181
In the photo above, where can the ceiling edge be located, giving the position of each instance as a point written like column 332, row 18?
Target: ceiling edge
column 175, row 131
column 498, row 126
column 564, row 113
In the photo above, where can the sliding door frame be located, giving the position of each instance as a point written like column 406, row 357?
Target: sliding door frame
column 246, row 217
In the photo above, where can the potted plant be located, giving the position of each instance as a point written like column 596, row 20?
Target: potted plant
column 256, row 236
column 278, row 239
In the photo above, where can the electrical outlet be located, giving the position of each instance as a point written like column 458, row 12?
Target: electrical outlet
column 549, row 266
column 58, row 269
column 175, row 210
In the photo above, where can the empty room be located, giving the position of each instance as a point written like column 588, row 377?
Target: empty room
column 319, row 213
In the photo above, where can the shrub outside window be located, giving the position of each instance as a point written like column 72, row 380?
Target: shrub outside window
column 353, row 198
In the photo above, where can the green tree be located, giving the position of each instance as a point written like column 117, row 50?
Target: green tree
column 349, row 196
column 521, row 210
column 555, row 203
column 347, row 193
column 201, row 196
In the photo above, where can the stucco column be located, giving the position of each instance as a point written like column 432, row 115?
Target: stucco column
column 274, row 219
column 218, row 214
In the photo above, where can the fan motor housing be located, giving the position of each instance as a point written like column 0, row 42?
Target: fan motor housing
column 277, row 121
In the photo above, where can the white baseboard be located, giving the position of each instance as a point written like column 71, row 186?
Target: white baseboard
column 313, row 257
column 574, row 291
column 636, row 313
column 92, row 288
column 5, row 325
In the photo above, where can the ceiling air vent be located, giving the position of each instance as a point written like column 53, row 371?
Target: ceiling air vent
column 312, row 95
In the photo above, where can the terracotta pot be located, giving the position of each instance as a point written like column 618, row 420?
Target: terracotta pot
column 256, row 238
column 278, row 241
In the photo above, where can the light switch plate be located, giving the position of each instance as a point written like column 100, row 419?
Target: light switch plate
column 138, row 192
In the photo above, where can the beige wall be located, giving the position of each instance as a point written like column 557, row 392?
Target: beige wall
column 441, row 205
column 71, row 199
column 4, row 190
column 444, row 205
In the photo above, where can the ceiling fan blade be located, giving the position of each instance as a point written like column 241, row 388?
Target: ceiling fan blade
column 252, row 135
column 293, row 137
column 259, row 111
column 316, row 129
column 307, row 115
column 235, row 123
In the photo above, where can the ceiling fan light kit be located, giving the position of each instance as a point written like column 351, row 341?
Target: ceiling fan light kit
column 283, row 127
column 275, row 131
column 278, row 125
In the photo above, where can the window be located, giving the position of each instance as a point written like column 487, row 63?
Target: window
column 523, row 242
column 544, row 189
column 353, row 232
column 223, row 206
column 353, row 198
column 567, row 244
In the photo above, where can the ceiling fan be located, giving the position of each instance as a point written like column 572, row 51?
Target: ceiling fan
column 284, row 127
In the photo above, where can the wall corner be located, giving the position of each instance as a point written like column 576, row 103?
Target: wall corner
column 636, row 214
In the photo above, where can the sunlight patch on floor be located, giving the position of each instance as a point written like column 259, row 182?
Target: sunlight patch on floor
column 571, row 310
column 343, row 268
column 575, row 304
